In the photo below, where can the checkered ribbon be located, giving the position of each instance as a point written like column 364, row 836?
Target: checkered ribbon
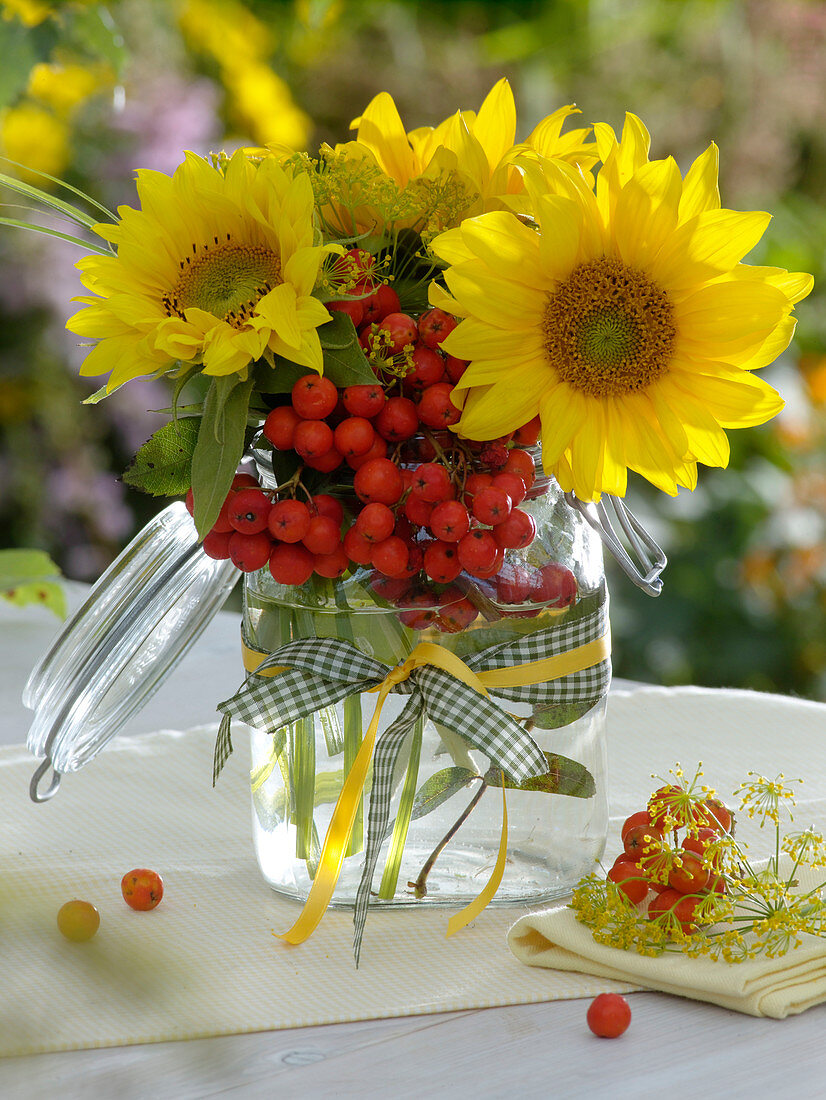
column 323, row 671
column 320, row 671
column 388, row 747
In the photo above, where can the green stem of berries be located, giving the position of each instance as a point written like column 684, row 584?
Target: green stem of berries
column 419, row 887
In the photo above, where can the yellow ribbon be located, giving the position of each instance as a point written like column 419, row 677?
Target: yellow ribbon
column 254, row 657
column 458, row 921
column 344, row 812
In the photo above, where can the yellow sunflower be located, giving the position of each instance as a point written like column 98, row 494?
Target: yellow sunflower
column 476, row 149
column 624, row 318
column 217, row 267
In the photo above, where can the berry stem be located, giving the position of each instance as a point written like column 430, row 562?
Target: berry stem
column 419, row 887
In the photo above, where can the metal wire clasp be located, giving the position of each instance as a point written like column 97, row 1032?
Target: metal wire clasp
column 650, row 558
column 35, row 793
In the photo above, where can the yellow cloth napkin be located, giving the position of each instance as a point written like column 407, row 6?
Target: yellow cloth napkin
column 760, row 987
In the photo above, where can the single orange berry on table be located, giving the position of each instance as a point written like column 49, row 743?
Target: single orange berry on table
column 78, row 920
column 141, row 888
column 608, row 1015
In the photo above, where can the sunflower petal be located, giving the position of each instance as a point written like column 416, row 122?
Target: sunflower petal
column 380, row 128
column 700, row 189
column 706, row 439
column 476, row 339
column 753, row 358
column 796, row 285
column 504, row 303
column 502, row 407
column 562, row 410
column 506, row 246
column 560, row 245
column 495, row 124
column 735, row 398
column 278, row 310
column 731, row 317
column 439, row 297
column 646, row 211
column 452, row 247
column 545, row 136
column 708, row 245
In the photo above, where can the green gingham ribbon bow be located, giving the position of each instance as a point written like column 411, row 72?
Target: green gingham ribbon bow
column 315, row 673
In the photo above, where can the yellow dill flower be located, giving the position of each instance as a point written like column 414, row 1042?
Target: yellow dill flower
column 675, row 805
column 476, row 147
column 805, row 846
column 35, row 139
column 626, row 320
column 761, row 797
column 65, row 87
column 217, row 267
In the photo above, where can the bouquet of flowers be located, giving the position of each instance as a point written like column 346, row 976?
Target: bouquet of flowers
column 427, row 339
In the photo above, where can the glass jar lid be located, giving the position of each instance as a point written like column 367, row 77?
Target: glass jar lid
column 118, row 648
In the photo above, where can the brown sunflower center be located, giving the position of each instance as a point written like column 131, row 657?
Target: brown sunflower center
column 226, row 280
column 608, row 329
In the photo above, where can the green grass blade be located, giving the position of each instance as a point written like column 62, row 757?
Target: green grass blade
column 87, row 245
column 303, row 768
column 44, row 199
column 352, row 744
column 44, row 195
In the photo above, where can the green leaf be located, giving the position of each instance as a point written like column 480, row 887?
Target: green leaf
column 220, row 445
column 163, row 465
column 434, row 791
column 562, row 714
column 24, row 579
column 284, row 465
column 439, row 788
column 46, row 593
column 412, row 294
column 17, row 566
column 455, row 744
column 280, row 377
column 180, row 411
column 563, row 776
column 338, row 332
column 67, row 209
column 345, row 363
column 96, row 397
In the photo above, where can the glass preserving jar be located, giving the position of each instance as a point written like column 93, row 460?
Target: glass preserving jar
column 446, row 815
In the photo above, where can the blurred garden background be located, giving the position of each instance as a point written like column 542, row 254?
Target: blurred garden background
column 89, row 92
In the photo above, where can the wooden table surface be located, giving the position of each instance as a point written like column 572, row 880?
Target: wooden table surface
column 540, row 1050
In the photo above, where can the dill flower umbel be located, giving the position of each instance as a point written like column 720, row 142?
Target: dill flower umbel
column 735, row 910
column 763, row 797
column 459, row 168
column 217, row 268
